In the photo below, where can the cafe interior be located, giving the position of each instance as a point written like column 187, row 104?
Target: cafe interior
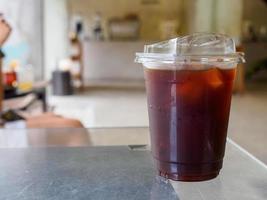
column 69, row 73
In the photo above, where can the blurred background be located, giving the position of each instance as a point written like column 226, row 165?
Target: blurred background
column 75, row 58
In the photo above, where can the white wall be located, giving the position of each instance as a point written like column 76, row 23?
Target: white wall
column 55, row 33
column 229, row 17
column 198, row 15
column 25, row 43
column 112, row 61
column 224, row 16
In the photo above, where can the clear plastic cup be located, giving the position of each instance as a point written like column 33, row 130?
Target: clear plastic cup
column 189, row 87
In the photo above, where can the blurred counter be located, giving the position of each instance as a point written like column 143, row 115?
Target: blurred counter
column 112, row 61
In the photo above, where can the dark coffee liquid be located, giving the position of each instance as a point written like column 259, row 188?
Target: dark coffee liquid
column 188, row 115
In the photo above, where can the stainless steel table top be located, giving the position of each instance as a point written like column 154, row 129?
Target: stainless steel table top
column 77, row 164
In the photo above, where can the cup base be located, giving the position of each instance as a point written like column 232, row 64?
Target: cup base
column 189, row 172
column 188, row 178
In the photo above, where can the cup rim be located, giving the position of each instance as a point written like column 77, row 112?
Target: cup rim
column 232, row 58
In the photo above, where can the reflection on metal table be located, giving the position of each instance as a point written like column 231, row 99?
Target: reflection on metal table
column 99, row 164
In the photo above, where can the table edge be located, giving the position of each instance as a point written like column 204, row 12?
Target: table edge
column 247, row 153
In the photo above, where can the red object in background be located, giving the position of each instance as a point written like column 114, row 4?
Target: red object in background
column 188, row 114
column 10, row 78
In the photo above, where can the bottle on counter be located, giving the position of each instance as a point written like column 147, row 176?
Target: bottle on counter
column 97, row 27
column 77, row 25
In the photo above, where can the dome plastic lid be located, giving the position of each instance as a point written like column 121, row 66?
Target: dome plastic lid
column 206, row 48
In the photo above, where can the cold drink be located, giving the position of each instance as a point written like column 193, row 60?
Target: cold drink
column 188, row 116
column 189, row 84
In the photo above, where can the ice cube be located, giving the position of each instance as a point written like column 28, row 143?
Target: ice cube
column 189, row 92
column 214, row 78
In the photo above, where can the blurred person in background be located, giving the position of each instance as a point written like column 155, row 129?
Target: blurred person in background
column 45, row 120
column 5, row 31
